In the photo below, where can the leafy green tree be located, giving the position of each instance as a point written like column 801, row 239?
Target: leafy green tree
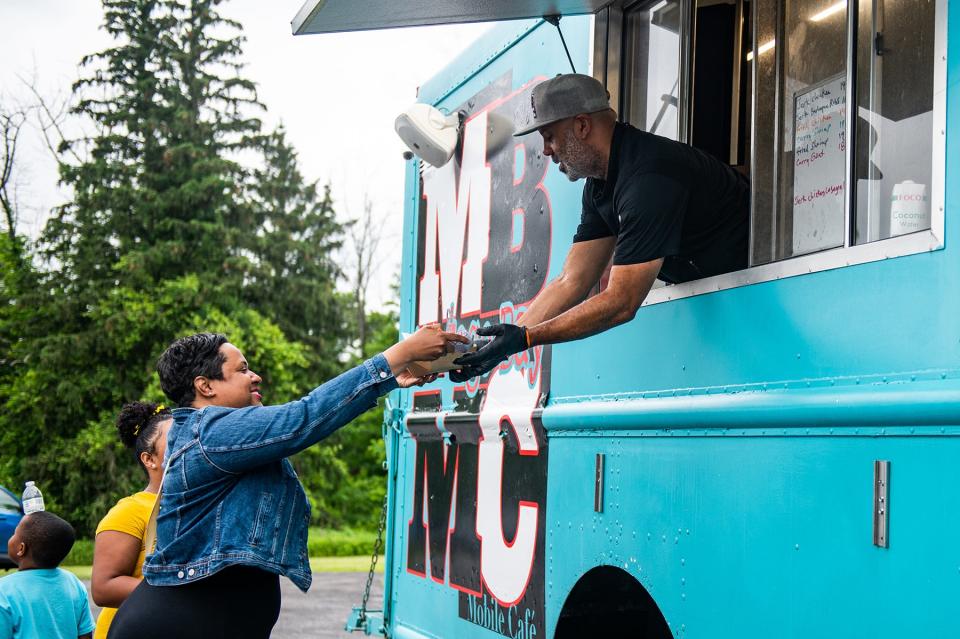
column 166, row 233
column 17, row 279
column 359, row 449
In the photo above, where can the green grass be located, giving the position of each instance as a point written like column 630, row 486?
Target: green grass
column 343, row 564
column 81, row 554
column 330, row 551
column 325, row 542
column 321, row 542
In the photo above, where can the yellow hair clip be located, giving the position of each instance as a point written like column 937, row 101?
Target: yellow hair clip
column 156, row 411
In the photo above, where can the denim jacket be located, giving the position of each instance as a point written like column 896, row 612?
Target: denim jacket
column 229, row 494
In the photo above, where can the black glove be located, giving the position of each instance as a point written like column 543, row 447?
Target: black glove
column 465, row 373
column 509, row 339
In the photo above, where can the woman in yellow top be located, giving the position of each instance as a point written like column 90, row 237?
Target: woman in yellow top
column 119, row 548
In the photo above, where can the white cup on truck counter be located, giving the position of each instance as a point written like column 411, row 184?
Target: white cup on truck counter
column 909, row 208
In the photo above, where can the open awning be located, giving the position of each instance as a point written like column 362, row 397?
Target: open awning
column 332, row 16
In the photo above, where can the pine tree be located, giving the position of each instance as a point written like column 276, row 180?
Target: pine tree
column 124, row 97
column 293, row 275
column 167, row 232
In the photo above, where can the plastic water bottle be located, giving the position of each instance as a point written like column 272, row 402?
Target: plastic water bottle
column 32, row 499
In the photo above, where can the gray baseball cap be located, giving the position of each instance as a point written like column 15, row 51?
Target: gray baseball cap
column 561, row 97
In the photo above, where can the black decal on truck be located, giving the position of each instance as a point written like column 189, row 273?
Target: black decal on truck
column 478, row 516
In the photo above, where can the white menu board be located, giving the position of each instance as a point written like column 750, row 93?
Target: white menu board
column 819, row 165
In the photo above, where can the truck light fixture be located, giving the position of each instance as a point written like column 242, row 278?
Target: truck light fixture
column 428, row 133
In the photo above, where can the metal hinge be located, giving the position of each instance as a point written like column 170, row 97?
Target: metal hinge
column 881, row 503
column 598, row 484
column 392, row 417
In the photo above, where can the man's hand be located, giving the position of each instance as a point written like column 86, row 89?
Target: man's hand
column 509, row 339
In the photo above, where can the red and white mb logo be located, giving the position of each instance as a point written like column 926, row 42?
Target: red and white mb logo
column 479, row 483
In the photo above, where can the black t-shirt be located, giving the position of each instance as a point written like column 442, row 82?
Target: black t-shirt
column 666, row 199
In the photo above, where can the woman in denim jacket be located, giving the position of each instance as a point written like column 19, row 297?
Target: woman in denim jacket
column 232, row 513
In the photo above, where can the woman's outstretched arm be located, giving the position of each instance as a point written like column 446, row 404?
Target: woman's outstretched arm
column 236, row 440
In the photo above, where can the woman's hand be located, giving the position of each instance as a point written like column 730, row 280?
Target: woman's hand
column 406, row 379
column 427, row 344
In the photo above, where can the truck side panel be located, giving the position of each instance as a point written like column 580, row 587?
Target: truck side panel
column 738, row 428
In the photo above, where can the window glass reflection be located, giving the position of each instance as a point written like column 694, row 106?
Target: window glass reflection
column 811, row 164
column 895, row 124
column 652, row 66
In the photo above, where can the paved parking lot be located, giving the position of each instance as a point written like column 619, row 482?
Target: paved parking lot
column 320, row 613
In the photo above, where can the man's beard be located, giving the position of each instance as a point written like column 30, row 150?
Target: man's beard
column 579, row 159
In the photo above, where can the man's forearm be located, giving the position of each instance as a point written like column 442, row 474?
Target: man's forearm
column 595, row 315
column 559, row 296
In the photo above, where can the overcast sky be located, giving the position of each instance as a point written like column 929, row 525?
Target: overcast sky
column 337, row 95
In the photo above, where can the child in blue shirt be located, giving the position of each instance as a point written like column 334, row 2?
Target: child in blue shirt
column 41, row 600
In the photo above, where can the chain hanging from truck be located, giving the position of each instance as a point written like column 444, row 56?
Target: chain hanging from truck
column 361, row 619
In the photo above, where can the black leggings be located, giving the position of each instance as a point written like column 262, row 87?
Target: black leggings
column 238, row 602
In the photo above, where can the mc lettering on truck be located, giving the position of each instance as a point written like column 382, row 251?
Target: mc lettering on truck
column 480, row 472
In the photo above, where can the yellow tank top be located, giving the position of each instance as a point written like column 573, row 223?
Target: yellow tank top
column 129, row 516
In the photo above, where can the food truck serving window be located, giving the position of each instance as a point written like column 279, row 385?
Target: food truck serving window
column 839, row 175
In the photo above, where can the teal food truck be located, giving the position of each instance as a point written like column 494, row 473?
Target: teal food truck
column 773, row 452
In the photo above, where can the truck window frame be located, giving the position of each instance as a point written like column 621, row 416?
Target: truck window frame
column 608, row 66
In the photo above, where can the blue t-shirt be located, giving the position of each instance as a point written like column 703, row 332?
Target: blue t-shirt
column 44, row 602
